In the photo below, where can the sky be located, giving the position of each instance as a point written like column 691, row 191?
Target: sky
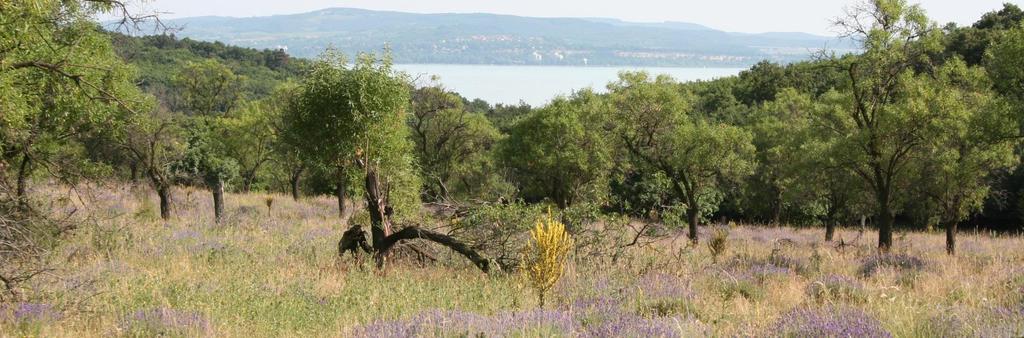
column 749, row 16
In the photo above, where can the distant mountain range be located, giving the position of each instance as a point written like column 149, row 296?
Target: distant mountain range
column 505, row 39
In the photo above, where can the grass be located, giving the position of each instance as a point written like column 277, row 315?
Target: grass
column 124, row 272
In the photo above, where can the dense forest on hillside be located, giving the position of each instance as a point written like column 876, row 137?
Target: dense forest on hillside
column 919, row 132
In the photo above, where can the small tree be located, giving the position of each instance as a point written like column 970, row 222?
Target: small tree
column 207, row 88
column 153, row 139
column 206, row 158
column 697, row 156
column 560, row 152
column 453, row 146
column 249, row 135
column 977, row 140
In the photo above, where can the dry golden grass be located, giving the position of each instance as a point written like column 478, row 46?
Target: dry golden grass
column 279, row 275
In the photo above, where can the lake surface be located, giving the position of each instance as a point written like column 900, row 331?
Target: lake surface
column 536, row 85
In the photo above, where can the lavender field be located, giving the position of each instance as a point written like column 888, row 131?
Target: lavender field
column 276, row 272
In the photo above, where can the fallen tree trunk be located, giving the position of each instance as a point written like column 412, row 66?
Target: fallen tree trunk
column 414, row 232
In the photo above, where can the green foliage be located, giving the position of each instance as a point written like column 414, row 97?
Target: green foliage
column 698, row 156
column 972, row 43
column 207, row 88
column 974, row 140
column 160, row 58
column 205, row 157
column 60, row 81
column 560, row 152
column 343, row 115
column 454, row 147
column 1005, row 64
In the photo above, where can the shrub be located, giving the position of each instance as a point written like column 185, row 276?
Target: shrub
column 902, row 262
column 836, row 288
column 718, row 241
column 742, row 287
column 498, row 230
column 545, row 255
column 827, row 322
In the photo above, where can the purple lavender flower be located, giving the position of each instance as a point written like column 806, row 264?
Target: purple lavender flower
column 660, row 286
column 28, row 313
column 633, row 326
column 164, row 322
column 186, row 234
column 902, row 262
column 827, row 322
column 457, row 323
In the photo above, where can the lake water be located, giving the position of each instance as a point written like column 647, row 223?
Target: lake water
column 536, row 85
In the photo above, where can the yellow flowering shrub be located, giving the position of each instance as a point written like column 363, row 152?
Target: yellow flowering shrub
column 545, row 255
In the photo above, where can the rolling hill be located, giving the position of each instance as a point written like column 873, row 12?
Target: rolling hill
column 504, row 39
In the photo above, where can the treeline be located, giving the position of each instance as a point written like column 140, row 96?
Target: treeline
column 920, row 129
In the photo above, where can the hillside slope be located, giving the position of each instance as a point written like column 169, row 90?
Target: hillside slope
column 504, row 39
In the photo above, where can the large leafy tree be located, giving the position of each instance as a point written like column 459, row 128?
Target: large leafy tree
column 655, row 127
column 560, row 152
column 59, row 79
column 976, row 140
column 878, row 128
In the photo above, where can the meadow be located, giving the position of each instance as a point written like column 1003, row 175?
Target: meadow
column 275, row 271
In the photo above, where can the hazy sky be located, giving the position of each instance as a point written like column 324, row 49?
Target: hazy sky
column 810, row 16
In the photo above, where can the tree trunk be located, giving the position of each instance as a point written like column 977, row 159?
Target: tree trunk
column 134, row 168
column 382, row 238
column 693, row 217
column 165, row 202
column 247, row 183
column 23, row 171
column 951, row 238
column 885, row 222
column 414, row 232
column 830, row 230
column 379, row 208
column 218, row 199
column 777, row 209
column 341, row 193
column 296, row 176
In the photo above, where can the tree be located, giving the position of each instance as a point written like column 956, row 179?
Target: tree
column 560, row 152
column 780, row 130
column 971, row 43
column 206, row 158
column 357, row 115
column 453, row 145
column 249, row 137
column 760, row 83
column 207, row 88
column 878, row 131
column 60, row 80
column 1005, row 64
column 976, row 140
column 152, row 138
column 697, row 156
